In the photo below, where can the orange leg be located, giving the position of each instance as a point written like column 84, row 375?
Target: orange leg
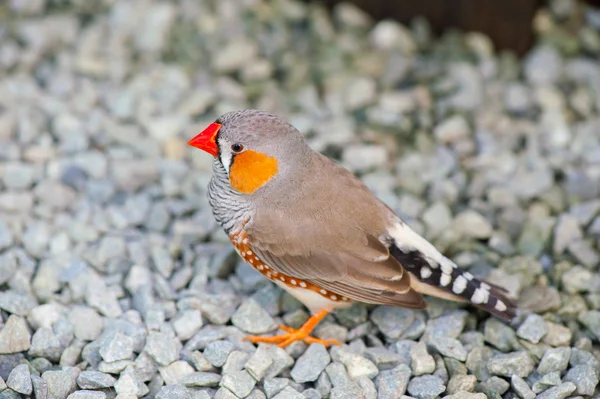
column 293, row 335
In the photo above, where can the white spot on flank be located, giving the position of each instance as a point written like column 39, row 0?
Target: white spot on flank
column 245, row 241
column 445, row 279
column 302, row 284
column 252, row 262
column 260, row 267
column 333, row 297
column 459, row 285
column 500, row 306
column 468, row 276
column 323, row 292
column 282, row 278
column 249, row 253
column 480, row 296
column 425, row 272
column 344, row 298
column 293, row 282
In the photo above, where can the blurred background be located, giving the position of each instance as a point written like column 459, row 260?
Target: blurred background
column 476, row 120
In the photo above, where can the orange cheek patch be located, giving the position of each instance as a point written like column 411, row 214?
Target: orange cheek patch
column 251, row 170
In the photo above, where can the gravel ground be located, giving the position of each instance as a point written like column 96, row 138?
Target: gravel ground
column 116, row 282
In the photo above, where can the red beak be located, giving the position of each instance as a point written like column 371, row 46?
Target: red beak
column 207, row 140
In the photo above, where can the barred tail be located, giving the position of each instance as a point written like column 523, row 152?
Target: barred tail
column 439, row 276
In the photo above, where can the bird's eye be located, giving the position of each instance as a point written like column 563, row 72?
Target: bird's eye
column 237, row 147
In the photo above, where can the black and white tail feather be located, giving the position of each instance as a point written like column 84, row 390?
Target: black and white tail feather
column 425, row 262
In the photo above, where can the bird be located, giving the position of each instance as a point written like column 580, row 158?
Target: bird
column 314, row 229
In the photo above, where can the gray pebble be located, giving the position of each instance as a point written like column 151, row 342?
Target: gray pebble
column 201, row 379
column 163, row 348
column 273, row 386
column 357, row 366
column 216, row 352
column 533, row 329
column 421, row 361
column 16, row 303
column 584, row 377
column 393, row 383
column 119, row 347
column 174, row 392
column 260, row 361
column 521, row 387
column 493, row 385
column 40, row 387
column 345, row 391
column 508, row 364
column 337, row 374
column 382, row 357
column 87, row 323
column 238, row 382
column 252, row 318
column 235, row 362
column 499, row 334
column 281, row 361
column 546, row 381
column 310, row 365
column 555, row 359
column 426, row 387
column 14, row 336
column 461, row 383
column 558, row 392
column 19, row 380
column 95, row 380
column 289, row 393
column 45, row 344
column 84, row 394
column 392, row 321
column 61, row 383
column 450, row 347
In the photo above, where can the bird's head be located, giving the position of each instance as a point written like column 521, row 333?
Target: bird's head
column 254, row 148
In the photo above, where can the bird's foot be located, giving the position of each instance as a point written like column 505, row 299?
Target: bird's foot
column 301, row 334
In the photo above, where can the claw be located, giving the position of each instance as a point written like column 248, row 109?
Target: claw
column 292, row 335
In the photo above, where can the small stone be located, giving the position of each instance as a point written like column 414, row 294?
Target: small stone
column 499, row 334
column 557, row 335
column 545, row 382
column 16, row 303
column 543, row 65
column 393, row 383
column 114, row 367
column 87, row 323
column 19, row 380
column 40, row 387
column 289, row 393
column 95, row 380
column 461, row 383
column 337, row 374
column 87, row 395
column 521, row 387
column 566, row 231
column 493, row 385
column 14, row 336
column 584, row 377
column 558, row 392
column 382, row 357
column 273, row 386
column 311, row 364
column 129, row 384
column 61, row 383
column 281, row 361
column 450, row 347
column 163, row 348
column 345, row 391
column 471, row 224
column 187, row 324
column 175, row 372
column 508, row 364
column 252, row 318
column 45, row 344
column 421, row 361
column 426, row 387
column 533, row 329
column 119, row 347
column 174, row 392
column 591, row 319
column 452, row 130
column 392, row 321
column 201, row 379
column 555, row 359
column 258, row 364
column 235, row 362
column 238, row 382
column 216, row 352
column 357, row 365
column 463, row 395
